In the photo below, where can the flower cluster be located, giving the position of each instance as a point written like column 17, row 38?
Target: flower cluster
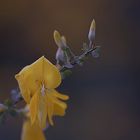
column 37, row 87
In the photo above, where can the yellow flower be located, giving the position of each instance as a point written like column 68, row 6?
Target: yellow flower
column 37, row 84
column 31, row 132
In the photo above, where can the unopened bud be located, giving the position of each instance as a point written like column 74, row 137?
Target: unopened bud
column 91, row 35
column 60, row 55
column 60, row 41
column 64, row 40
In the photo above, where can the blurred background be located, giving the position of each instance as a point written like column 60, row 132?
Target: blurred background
column 105, row 93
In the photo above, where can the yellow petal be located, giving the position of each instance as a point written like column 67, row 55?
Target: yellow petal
column 59, row 107
column 50, row 109
column 59, row 95
column 31, row 132
column 23, row 87
column 52, row 76
column 58, row 110
column 33, row 76
column 59, row 102
column 34, row 107
column 27, row 83
column 42, row 112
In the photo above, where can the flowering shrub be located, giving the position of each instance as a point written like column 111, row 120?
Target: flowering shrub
column 37, row 87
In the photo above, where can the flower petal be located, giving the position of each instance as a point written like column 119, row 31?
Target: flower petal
column 52, row 76
column 59, row 102
column 31, row 132
column 23, row 89
column 34, row 107
column 42, row 112
column 32, row 76
column 58, row 110
column 59, row 107
column 50, row 108
column 27, row 83
column 59, row 95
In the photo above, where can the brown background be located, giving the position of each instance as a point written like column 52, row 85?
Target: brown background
column 104, row 103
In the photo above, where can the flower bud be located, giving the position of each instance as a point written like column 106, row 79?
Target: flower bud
column 64, row 40
column 91, row 35
column 60, row 41
column 63, row 58
column 60, row 55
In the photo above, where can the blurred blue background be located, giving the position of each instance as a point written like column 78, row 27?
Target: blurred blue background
column 105, row 93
